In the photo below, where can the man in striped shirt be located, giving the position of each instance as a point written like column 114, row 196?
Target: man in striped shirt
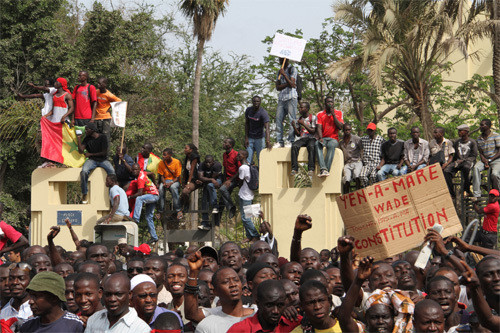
column 488, row 145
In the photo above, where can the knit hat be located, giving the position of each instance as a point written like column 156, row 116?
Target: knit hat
column 255, row 268
column 50, row 282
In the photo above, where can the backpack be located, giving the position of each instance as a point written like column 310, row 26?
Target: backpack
column 253, row 184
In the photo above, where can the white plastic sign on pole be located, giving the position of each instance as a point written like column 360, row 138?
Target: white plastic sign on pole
column 119, row 114
column 288, row 47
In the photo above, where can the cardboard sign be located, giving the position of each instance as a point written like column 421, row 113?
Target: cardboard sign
column 392, row 216
column 119, row 113
column 288, row 47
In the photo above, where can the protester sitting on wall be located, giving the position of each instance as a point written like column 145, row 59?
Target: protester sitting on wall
column 119, row 203
column 352, row 148
column 305, row 129
column 392, row 157
column 463, row 160
column 169, row 172
column 488, row 233
column 488, row 144
column 372, row 153
column 416, row 151
column 148, row 161
column 190, row 181
column 123, row 167
column 209, row 173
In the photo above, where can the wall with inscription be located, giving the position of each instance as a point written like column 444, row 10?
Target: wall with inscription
column 50, row 204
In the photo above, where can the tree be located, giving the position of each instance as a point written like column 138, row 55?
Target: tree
column 405, row 42
column 204, row 14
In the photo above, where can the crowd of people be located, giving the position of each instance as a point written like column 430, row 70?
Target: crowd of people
column 253, row 289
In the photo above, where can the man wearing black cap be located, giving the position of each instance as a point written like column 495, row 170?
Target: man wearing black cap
column 46, row 291
column 95, row 148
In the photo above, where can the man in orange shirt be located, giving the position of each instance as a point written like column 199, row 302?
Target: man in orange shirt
column 169, row 170
column 103, row 110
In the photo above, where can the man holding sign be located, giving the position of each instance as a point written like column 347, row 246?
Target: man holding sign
column 287, row 99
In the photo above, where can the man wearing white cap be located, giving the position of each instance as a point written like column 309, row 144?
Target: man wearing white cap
column 145, row 298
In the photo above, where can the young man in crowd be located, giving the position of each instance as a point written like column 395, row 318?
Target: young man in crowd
column 209, row 173
column 246, row 196
column 146, row 195
column 488, row 232
column 441, row 149
column 329, row 122
column 18, row 306
column 156, row 268
column 463, row 160
column 148, row 161
column 85, row 101
column 287, row 99
column 119, row 203
column 230, row 179
column 352, row 148
column 416, row 151
column 488, row 145
column 256, row 122
column 103, row 109
column 372, row 152
column 95, row 147
column 117, row 316
column 169, row 172
column 305, row 128
column 392, row 161
column 123, row 167
column 88, row 295
column 177, row 277
column 271, row 301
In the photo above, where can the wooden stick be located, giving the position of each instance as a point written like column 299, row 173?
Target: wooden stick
column 121, row 144
column 282, row 65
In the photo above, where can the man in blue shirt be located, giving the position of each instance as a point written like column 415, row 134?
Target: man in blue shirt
column 119, row 203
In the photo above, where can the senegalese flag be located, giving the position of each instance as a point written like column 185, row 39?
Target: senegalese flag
column 59, row 144
column 153, row 162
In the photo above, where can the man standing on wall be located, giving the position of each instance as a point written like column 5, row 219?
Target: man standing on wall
column 287, row 99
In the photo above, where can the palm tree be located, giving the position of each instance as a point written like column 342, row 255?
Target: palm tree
column 204, row 14
column 404, row 41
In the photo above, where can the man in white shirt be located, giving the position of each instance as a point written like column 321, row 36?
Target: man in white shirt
column 18, row 306
column 118, row 316
column 119, row 202
column 246, row 196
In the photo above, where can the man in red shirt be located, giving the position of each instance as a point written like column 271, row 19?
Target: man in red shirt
column 328, row 124
column 488, row 234
column 8, row 233
column 271, row 299
column 231, row 166
column 147, row 195
column 85, row 100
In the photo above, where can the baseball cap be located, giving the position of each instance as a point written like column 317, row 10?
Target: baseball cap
column 494, row 192
column 122, row 241
column 209, row 251
column 50, row 282
column 371, row 126
column 144, row 248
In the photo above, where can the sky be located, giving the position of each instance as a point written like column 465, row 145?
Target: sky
column 247, row 22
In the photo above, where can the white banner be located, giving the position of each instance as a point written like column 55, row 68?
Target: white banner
column 251, row 210
column 288, row 47
column 118, row 114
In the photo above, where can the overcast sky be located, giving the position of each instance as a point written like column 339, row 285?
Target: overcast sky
column 247, row 22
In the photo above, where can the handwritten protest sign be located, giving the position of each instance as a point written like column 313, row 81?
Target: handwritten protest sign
column 392, row 216
column 288, row 47
column 119, row 114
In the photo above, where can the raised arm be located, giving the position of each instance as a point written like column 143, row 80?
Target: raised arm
column 191, row 309
column 464, row 247
column 347, row 323
column 302, row 223
column 55, row 256
column 73, row 234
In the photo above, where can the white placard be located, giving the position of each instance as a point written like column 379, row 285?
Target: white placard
column 251, row 210
column 288, row 47
column 119, row 113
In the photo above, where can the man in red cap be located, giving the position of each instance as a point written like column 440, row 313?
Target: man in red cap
column 372, row 152
column 488, row 234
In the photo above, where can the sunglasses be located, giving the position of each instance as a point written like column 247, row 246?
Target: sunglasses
column 21, row 265
column 136, row 269
column 144, row 296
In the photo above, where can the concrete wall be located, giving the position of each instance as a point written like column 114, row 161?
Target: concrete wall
column 281, row 203
column 49, row 189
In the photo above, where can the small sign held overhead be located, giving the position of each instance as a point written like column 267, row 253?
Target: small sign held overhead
column 119, row 114
column 288, row 47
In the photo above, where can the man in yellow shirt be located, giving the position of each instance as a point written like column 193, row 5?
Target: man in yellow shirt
column 103, row 110
column 169, row 171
